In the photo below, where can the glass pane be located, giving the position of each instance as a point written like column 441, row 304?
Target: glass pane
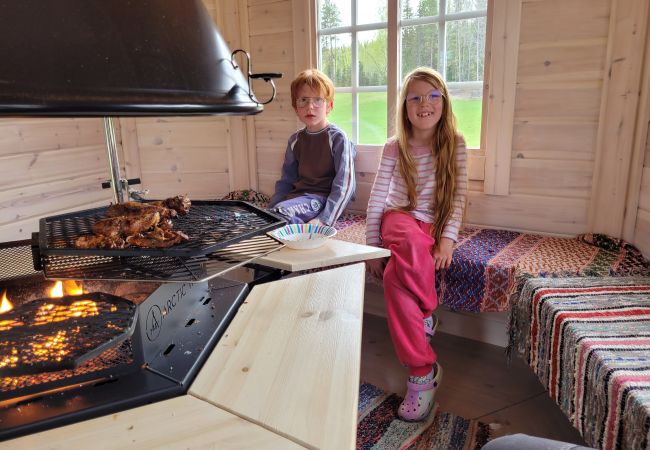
column 465, row 49
column 373, row 58
column 334, row 13
column 468, row 116
column 456, row 6
column 419, row 47
column 341, row 115
column 412, row 9
column 372, row 11
column 373, row 127
column 336, row 58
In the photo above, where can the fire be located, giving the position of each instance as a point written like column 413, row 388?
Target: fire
column 67, row 287
column 5, row 304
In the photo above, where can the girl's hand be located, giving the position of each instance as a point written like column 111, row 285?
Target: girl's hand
column 315, row 221
column 442, row 253
column 376, row 267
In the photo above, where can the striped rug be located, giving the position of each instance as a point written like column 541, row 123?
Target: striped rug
column 380, row 428
column 588, row 341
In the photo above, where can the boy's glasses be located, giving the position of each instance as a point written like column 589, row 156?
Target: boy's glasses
column 433, row 97
column 302, row 102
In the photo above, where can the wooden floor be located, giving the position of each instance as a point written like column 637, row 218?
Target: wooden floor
column 477, row 383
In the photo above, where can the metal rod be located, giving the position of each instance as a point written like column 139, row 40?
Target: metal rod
column 113, row 162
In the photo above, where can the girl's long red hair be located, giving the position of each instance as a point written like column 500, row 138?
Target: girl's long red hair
column 443, row 150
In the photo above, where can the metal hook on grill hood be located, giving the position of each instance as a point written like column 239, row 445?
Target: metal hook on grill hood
column 117, row 58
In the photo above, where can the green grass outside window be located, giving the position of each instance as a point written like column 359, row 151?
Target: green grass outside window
column 372, row 117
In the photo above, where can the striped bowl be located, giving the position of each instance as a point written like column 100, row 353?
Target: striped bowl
column 303, row 236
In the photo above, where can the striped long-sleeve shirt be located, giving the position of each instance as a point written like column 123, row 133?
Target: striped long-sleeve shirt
column 389, row 190
column 319, row 163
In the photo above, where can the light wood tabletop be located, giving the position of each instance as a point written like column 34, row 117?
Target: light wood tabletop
column 178, row 423
column 333, row 252
column 284, row 375
column 290, row 359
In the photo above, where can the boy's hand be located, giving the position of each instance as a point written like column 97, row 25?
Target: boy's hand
column 315, row 221
column 376, row 266
column 442, row 253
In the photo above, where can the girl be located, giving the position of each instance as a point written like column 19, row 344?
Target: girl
column 415, row 210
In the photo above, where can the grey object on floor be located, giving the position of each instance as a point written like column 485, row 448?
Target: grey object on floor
column 526, row 442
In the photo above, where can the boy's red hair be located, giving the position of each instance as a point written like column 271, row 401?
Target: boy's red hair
column 316, row 80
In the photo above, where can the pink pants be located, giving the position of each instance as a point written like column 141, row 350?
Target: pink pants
column 409, row 288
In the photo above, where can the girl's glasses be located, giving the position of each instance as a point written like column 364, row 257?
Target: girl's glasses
column 302, row 102
column 433, row 97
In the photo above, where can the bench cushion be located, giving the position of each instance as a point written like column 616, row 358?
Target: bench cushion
column 490, row 265
column 588, row 341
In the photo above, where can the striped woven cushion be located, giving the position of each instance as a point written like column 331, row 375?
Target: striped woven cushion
column 588, row 341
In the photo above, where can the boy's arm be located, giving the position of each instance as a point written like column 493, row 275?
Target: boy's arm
column 344, row 183
column 289, row 175
column 379, row 194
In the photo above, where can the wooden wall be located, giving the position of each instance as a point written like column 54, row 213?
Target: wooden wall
column 641, row 235
column 48, row 166
column 572, row 137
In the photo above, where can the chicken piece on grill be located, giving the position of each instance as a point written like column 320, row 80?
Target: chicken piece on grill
column 157, row 238
column 132, row 209
column 181, row 204
column 124, row 226
column 98, row 241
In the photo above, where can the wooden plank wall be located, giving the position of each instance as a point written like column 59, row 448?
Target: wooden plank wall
column 272, row 40
column 47, row 167
column 642, row 229
column 560, row 64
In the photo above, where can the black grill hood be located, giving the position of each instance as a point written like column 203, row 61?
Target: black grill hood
column 116, row 58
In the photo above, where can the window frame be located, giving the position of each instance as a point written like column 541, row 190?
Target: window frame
column 393, row 25
column 489, row 165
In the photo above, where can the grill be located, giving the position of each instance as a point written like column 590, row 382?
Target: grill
column 210, row 226
column 56, row 334
column 107, row 364
column 133, row 347
column 223, row 235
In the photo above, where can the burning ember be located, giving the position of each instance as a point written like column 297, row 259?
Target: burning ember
column 60, row 333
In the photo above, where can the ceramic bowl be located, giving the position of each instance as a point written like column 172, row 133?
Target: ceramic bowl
column 303, row 236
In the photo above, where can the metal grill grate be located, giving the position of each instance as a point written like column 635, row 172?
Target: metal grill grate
column 159, row 268
column 16, row 260
column 210, row 226
column 62, row 333
column 108, row 360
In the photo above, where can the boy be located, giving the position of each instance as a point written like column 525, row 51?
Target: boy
column 317, row 179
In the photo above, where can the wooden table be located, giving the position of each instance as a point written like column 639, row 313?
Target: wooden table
column 284, row 375
column 333, row 252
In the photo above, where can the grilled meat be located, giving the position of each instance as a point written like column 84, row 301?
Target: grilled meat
column 157, row 238
column 99, row 241
column 131, row 209
column 181, row 204
column 124, row 226
column 144, row 225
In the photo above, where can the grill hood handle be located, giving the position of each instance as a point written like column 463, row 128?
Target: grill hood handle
column 268, row 77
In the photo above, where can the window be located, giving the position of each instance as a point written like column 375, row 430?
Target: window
column 367, row 47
